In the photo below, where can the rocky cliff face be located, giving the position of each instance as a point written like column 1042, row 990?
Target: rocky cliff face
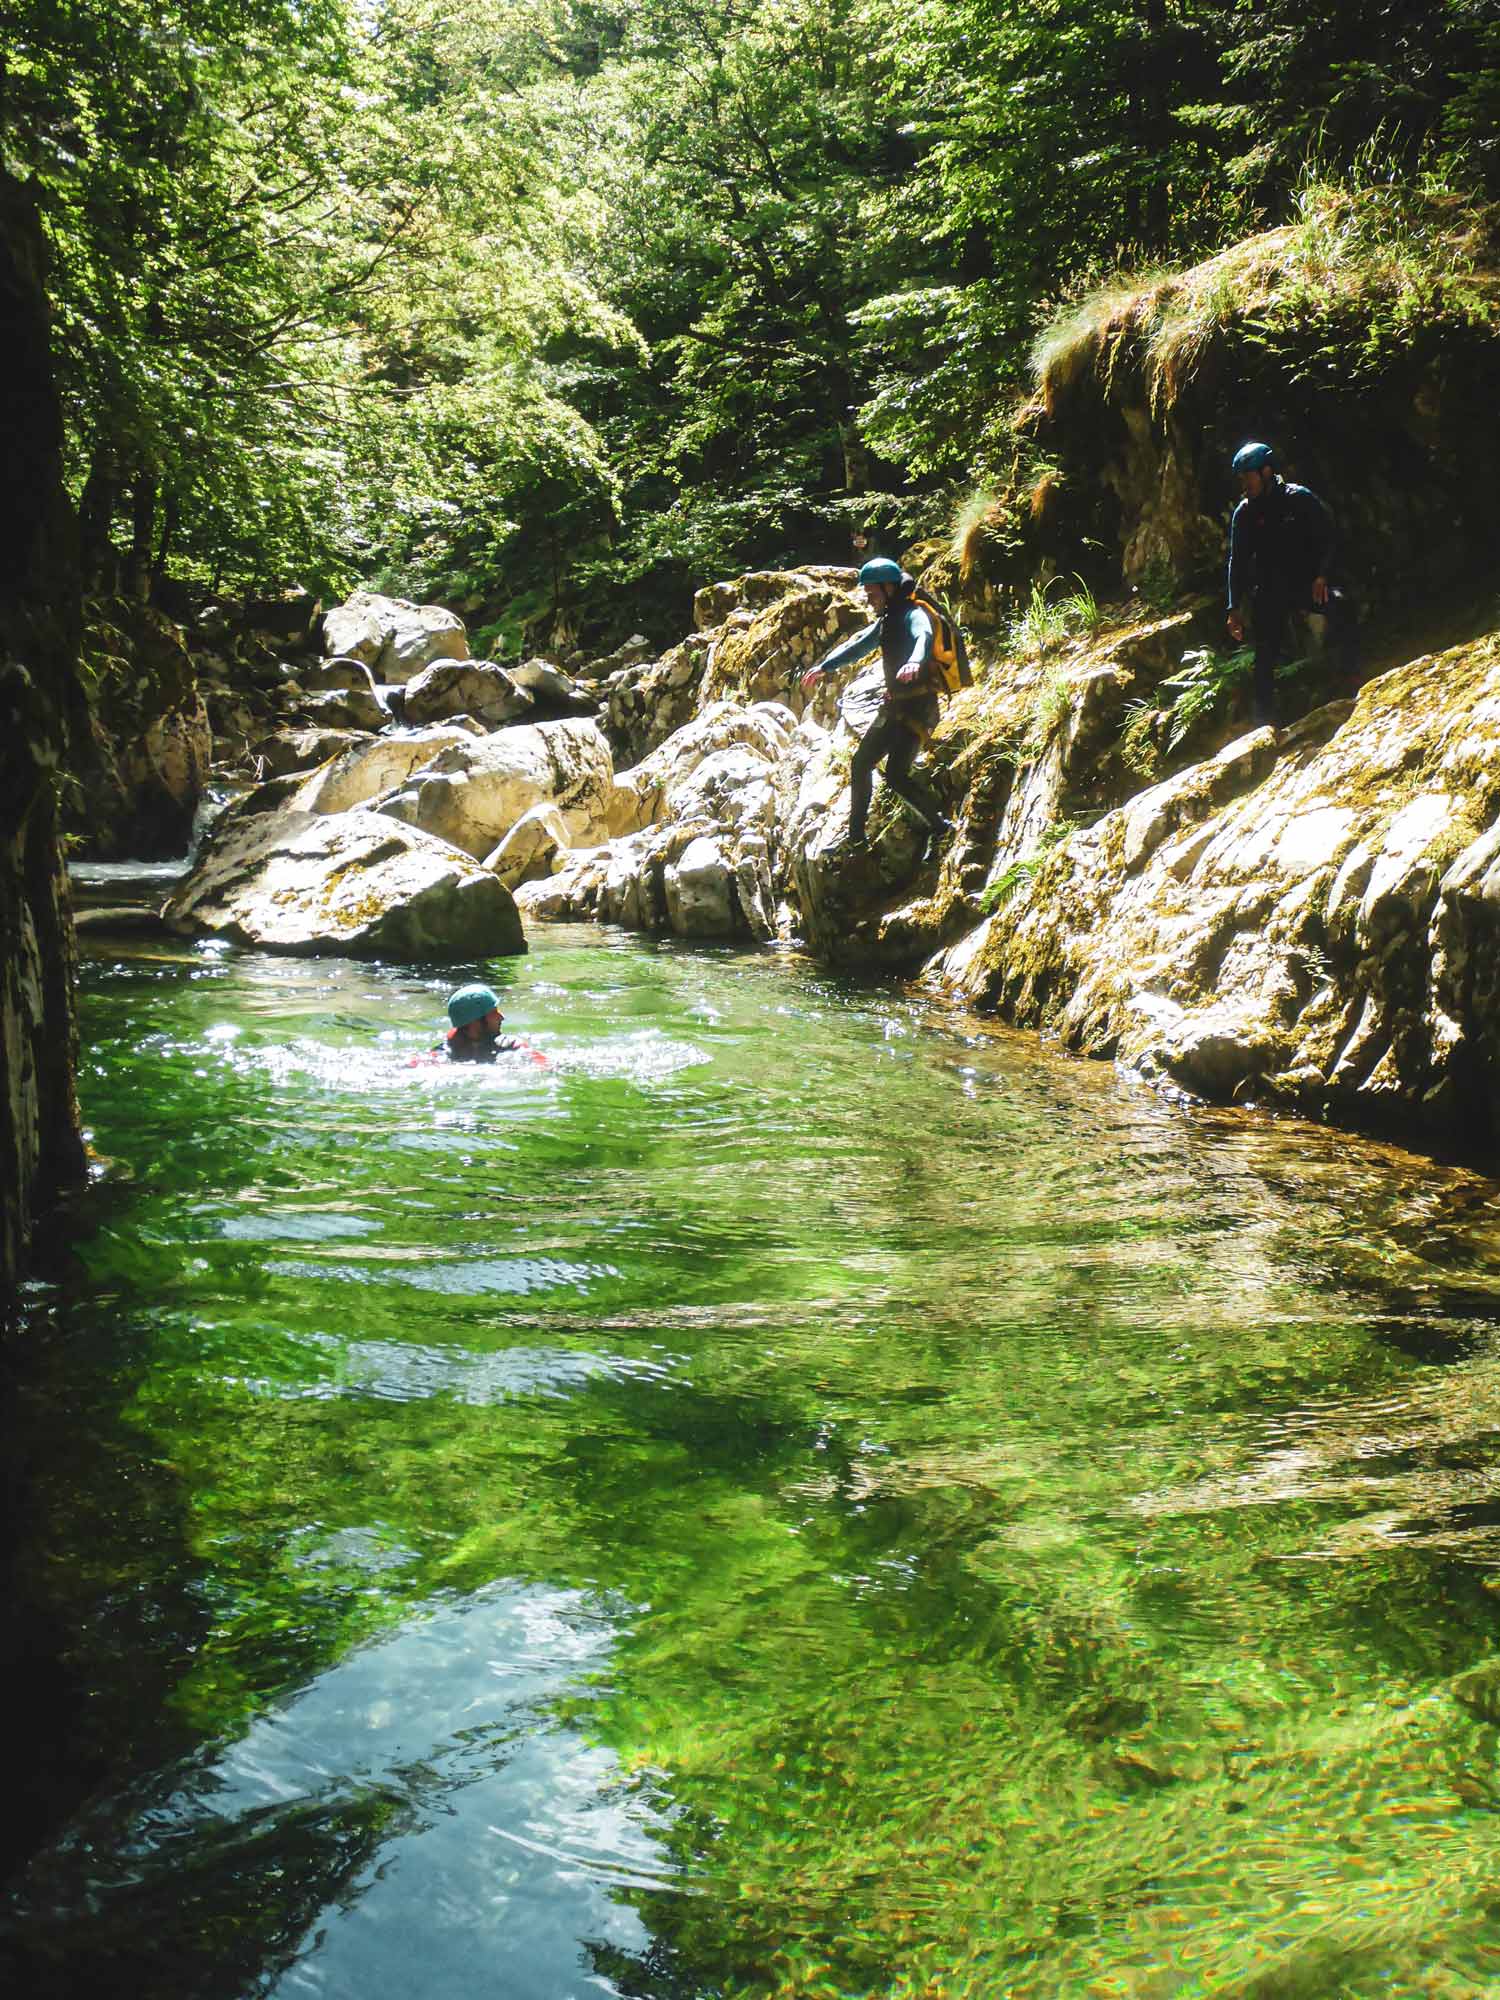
column 40, row 710
column 1310, row 917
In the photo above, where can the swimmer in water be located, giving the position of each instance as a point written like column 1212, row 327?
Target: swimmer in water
column 475, row 1034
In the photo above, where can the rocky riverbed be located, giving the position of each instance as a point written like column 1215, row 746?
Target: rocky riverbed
column 1302, row 916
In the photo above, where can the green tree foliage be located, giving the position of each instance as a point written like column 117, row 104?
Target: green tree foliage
column 522, row 301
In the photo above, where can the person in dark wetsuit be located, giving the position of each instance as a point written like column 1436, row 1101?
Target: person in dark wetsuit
column 1280, row 548
column 903, row 632
column 475, row 1034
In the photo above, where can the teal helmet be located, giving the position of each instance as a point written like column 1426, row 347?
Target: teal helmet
column 1252, row 458
column 470, row 1003
column 880, row 569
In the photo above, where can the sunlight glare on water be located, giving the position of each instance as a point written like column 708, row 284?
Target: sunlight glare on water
column 797, row 1494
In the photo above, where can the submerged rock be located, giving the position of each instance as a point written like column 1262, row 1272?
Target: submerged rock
column 346, row 884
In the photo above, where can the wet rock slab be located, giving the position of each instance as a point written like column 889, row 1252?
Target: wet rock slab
column 345, row 884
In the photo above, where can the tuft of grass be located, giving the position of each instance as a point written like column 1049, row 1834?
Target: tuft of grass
column 995, row 895
column 1384, row 252
column 1139, row 749
column 970, row 519
column 1042, row 626
column 1047, row 620
column 1082, row 611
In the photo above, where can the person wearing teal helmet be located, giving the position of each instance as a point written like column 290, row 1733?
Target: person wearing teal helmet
column 475, row 1034
column 1280, row 552
column 909, row 712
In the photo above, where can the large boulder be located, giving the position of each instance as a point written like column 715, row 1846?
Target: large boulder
column 285, row 750
column 342, row 708
column 466, row 687
column 393, row 636
column 474, row 793
column 666, row 784
column 346, row 884
column 553, row 692
column 317, row 676
column 531, row 849
column 699, row 857
column 373, row 765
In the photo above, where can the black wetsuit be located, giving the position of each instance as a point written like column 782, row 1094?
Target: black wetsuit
column 1279, row 544
column 905, row 720
column 459, row 1048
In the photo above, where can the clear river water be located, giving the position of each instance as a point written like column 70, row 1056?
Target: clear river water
column 801, row 1494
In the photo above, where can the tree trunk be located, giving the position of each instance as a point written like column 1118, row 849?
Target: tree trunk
column 142, row 533
column 96, row 513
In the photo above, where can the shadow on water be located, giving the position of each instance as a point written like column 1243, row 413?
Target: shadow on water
column 798, row 1495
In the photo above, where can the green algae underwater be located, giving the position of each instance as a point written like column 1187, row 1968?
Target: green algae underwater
column 802, row 1495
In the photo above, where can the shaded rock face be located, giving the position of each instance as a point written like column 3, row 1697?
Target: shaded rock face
column 42, row 714
column 761, row 658
column 1313, row 918
column 350, row 884
column 394, row 637
column 1401, row 446
column 320, row 675
column 304, row 749
column 150, row 737
column 343, row 708
column 646, row 702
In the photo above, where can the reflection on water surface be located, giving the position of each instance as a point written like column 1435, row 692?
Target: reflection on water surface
column 800, row 1495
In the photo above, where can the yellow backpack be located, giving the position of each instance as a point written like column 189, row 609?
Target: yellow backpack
column 949, row 663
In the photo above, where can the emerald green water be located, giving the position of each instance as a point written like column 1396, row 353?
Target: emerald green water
column 799, row 1496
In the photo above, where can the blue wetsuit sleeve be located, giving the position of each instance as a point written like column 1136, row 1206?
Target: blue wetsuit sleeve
column 919, row 632
column 853, row 648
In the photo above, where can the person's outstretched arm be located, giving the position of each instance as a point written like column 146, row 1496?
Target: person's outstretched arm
column 844, row 654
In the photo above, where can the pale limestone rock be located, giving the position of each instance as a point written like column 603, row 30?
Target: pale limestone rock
column 532, row 847
column 353, row 630
column 701, row 896
column 1316, row 916
column 372, row 766
column 466, row 687
column 345, row 884
column 390, row 634
column 473, row 793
